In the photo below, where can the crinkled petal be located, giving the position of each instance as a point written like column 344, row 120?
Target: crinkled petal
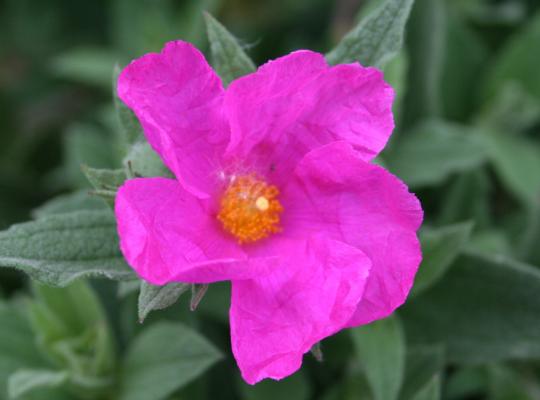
column 178, row 99
column 336, row 192
column 169, row 235
column 297, row 103
column 311, row 294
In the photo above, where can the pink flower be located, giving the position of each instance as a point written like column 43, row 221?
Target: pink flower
column 275, row 192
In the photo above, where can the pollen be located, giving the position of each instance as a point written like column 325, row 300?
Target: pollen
column 249, row 209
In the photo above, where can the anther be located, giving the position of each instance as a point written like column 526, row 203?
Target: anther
column 250, row 209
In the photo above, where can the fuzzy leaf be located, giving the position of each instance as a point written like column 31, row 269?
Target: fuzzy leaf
column 380, row 347
column 58, row 249
column 434, row 150
column 513, row 110
column 294, row 387
column 25, row 381
column 395, row 73
column 17, row 345
column 130, row 126
column 464, row 62
column 71, row 328
column 125, row 288
column 466, row 382
column 142, row 160
column 425, row 45
column 377, row 38
column 440, row 247
column 517, row 161
column 229, row 58
column 91, row 66
column 423, row 364
column 84, row 144
column 163, row 358
column 517, row 61
column 506, row 383
column 76, row 306
column 158, row 297
column 66, row 203
column 484, row 310
column 432, row 391
column 104, row 179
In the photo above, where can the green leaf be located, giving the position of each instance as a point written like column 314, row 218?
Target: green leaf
column 217, row 302
column 440, row 247
column 507, row 384
column 489, row 14
column 16, row 338
column 425, row 41
column 431, row 152
column 125, row 288
column 377, row 38
column 423, row 364
column 463, row 63
column 24, row 381
column 163, row 358
column 66, row 203
column 85, row 145
column 395, row 73
column 104, row 179
column 468, row 197
column 517, row 163
column 528, row 249
column 491, row 241
column 354, row 387
column 76, row 306
column 17, row 192
column 58, row 249
column 294, row 387
column 513, row 110
column 72, row 329
column 92, row 66
column 432, row 391
column 130, row 127
column 485, row 309
column 87, row 353
column 380, row 347
column 143, row 27
column 228, row 57
column 89, row 358
column 142, row 160
column 17, row 345
column 518, row 61
column 466, row 382
column 158, row 297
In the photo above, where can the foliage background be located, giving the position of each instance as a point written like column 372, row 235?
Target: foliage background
column 467, row 143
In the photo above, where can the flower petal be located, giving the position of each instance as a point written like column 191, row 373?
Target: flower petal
column 168, row 235
column 310, row 295
column 336, row 192
column 178, row 99
column 297, row 103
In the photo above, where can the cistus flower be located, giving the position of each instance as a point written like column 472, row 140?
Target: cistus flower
column 275, row 192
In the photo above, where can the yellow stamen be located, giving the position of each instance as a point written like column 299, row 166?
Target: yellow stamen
column 250, row 209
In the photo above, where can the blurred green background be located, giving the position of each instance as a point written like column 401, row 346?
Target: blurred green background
column 467, row 142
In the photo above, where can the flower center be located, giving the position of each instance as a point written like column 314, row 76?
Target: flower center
column 250, row 209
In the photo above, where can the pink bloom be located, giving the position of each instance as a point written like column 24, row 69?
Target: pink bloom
column 275, row 192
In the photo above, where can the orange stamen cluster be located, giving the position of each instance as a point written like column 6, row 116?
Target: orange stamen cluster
column 250, row 209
